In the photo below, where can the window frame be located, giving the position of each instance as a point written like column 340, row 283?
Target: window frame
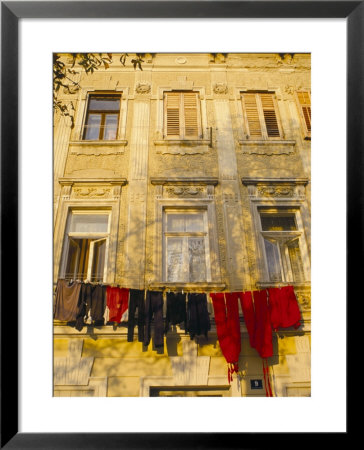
column 93, row 236
column 103, row 114
column 282, row 239
column 185, row 235
column 262, row 121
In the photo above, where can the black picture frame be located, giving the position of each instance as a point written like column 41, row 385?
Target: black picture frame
column 11, row 13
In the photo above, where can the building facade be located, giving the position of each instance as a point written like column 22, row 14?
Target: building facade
column 193, row 175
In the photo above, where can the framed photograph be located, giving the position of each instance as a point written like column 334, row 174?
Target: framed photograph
column 172, row 225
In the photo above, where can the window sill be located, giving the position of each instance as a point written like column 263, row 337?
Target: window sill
column 97, row 148
column 188, row 287
column 268, row 284
column 183, row 146
column 267, row 147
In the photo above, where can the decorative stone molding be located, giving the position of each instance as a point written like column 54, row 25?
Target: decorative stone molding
column 276, row 187
column 89, row 188
column 220, row 88
column 188, row 191
column 268, row 147
column 173, row 187
column 91, row 192
column 181, row 60
column 143, row 87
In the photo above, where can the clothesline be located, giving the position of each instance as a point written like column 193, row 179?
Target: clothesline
column 264, row 311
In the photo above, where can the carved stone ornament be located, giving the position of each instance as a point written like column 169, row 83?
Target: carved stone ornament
column 184, row 191
column 220, row 88
column 91, row 192
column 275, row 191
column 143, row 87
column 181, row 60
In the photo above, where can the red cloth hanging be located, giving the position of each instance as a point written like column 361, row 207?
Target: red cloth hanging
column 263, row 329
column 283, row 307
column 247, row 307
column 228, row 328
column 117, row 302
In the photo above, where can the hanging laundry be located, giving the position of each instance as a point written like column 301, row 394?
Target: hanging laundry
column 267, row 385
column 66, row 301
column 176, row 309
column 226, row 311
column 283, row 307
column 117, row 302
column 136, row 302
column 198, row 319
column 263, row 329
column 92, row 302
column 247, row 306
column 154, row 307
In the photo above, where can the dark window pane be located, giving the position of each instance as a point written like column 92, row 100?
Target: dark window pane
column 104, row 103
column 278, row 223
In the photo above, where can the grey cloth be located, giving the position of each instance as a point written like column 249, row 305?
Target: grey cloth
column 66, row 303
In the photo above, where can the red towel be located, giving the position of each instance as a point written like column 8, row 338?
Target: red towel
column 284, row 309
column 117, row 302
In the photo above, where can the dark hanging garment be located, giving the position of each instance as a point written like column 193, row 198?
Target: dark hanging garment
column 198, row 319
column 154, row 307
column 98, row 304
column 92, row 301
column 136, row 302
column 66, row 302
column 176, row 309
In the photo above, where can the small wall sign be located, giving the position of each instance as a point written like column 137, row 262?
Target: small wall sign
column 256, row 384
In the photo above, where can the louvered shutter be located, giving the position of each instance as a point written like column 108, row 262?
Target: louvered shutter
column 172, row 113
column 253, row 127
column 305, row 103
column 269, row 114
column 191, row 114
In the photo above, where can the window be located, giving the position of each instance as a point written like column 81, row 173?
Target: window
column 304, row 101
column 85, row 247
column 261, row 117
column 102, row 118
column 182, row 117
column 186, row 246
column 281, row 237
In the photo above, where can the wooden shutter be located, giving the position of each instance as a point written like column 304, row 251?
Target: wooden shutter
column 304, row 99
column 253, row 126
column 269, row 114
column 191, row 114
column 172, row 113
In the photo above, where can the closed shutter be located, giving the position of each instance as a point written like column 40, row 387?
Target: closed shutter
column 172, row 113
column 252, row 116
column 190, row 104
column 261, row 116
column 269, row 114
column 304, row 99
column 182, row 115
